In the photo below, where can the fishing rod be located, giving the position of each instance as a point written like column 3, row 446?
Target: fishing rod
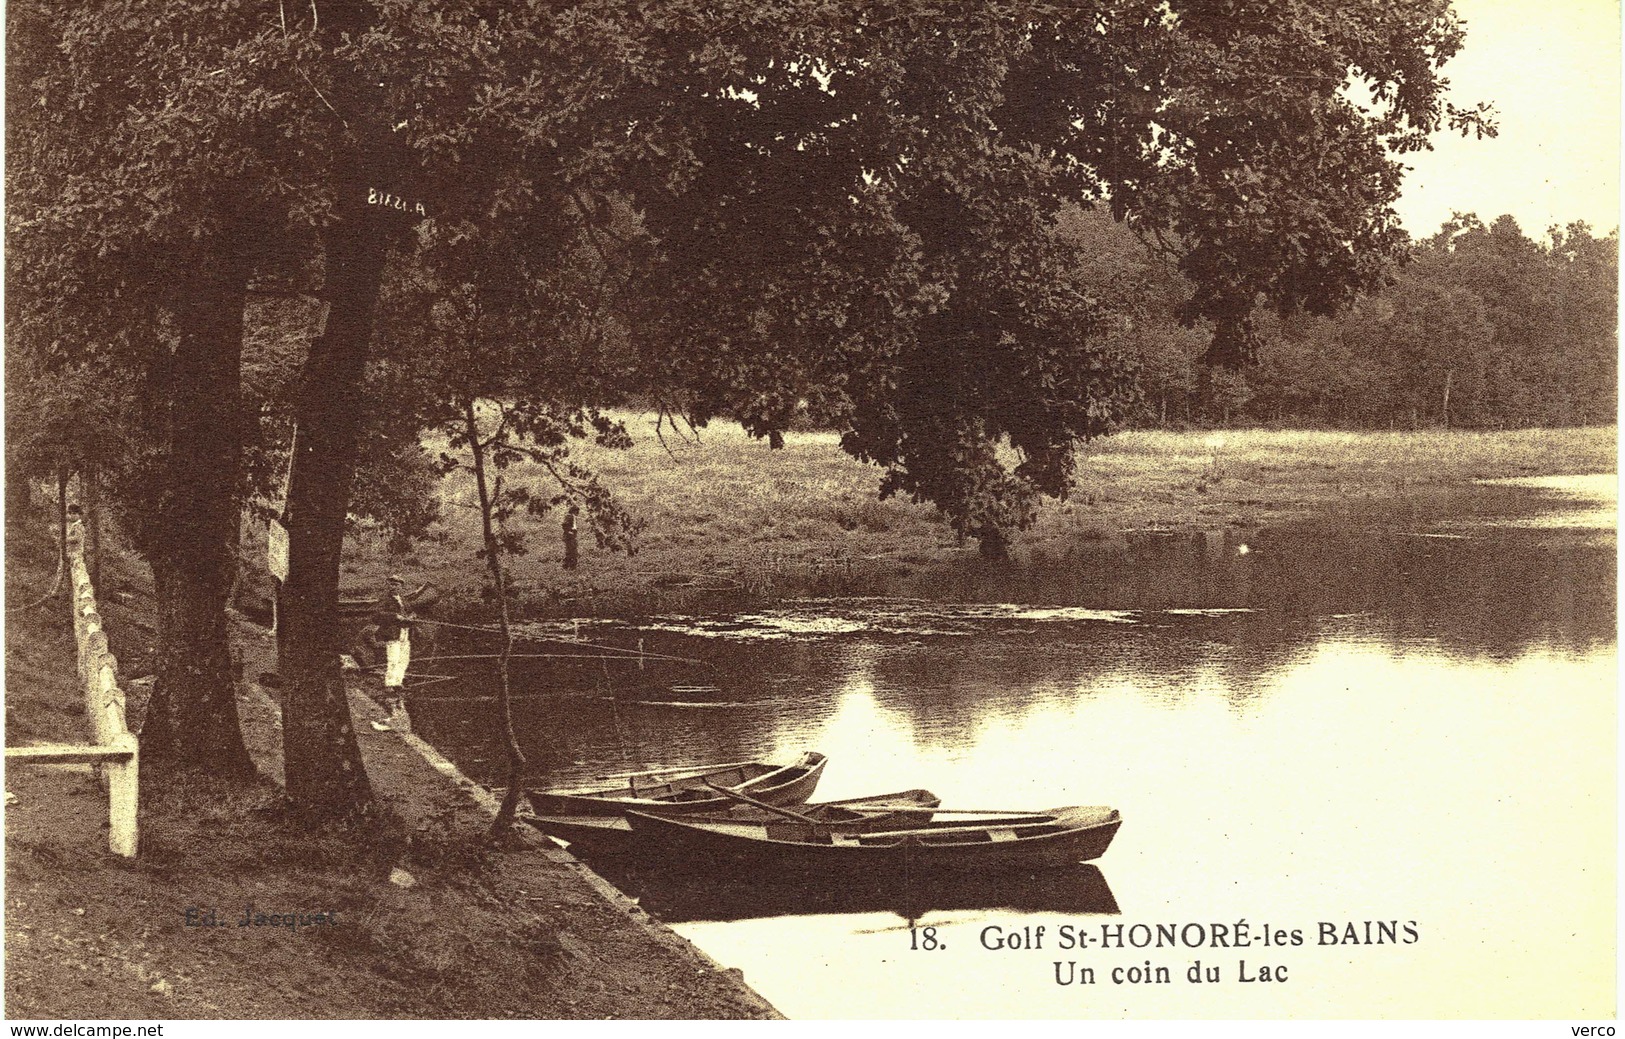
column 488, row 630
column 549, row 656
column 625, row 653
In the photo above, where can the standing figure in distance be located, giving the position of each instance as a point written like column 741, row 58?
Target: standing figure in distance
column 571, row 558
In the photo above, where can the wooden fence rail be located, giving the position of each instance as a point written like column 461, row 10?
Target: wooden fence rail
column 113, row 747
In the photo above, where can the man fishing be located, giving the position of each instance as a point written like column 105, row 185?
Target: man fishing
column 394, row 618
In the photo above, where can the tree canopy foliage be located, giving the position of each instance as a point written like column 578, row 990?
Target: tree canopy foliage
column 825, row 197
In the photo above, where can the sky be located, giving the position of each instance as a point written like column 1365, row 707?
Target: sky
column 1552, row 70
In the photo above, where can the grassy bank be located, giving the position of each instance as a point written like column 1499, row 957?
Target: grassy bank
column 726, row 514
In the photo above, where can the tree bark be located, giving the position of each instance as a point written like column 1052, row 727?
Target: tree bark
column 90, row 490
column 992, row 543
column 321, row 760
column 326, row 780
column 192, row 719
column 19, row 492
column 62, row 518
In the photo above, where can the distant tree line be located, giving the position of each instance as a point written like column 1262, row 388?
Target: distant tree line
column 1483, row 328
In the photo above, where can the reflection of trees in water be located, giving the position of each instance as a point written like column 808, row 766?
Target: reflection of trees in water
column 1496, row 597
column 1142, row 570
column 572, row 739
column 1004, row 680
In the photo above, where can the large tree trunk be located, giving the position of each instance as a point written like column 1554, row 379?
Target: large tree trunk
column 192, row 719
column 325, row 777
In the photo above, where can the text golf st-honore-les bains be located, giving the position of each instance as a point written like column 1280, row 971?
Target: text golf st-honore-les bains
column 1239, row 935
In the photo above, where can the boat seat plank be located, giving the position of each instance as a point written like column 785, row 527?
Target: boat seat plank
column 1002, row 834
column 933, row 831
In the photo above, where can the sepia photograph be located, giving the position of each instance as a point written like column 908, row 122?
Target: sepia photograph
column 937, row 510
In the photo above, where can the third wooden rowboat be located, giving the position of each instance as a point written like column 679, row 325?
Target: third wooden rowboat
column 675, row 793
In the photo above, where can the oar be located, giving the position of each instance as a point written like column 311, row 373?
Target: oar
column 938, row 831
column 991, row 811
column 775, row 809
column 684, row 777
column 885, row 809
column 676, row 770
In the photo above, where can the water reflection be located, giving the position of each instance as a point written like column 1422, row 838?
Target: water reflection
column 1169, row 618
column 678, row 895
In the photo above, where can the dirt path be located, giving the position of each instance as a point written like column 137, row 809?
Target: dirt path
column 460, row 931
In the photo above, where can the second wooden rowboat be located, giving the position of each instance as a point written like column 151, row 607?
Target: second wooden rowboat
column 1052, row 837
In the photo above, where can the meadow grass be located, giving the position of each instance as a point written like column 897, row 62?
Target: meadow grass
column 722, row 510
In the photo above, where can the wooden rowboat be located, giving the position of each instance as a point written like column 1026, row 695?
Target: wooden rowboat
column 611, row 835
column 695, row 791
column 1052, row 837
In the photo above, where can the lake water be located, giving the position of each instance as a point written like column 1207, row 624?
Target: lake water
column 1403, row 715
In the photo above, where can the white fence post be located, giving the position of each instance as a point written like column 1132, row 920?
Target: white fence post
column 104, row 704
column 124, row 797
